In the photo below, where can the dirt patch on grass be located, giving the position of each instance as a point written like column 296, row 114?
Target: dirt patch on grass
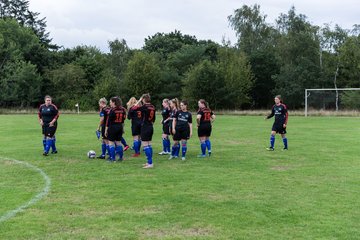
column 280, row 168
column 177, row 232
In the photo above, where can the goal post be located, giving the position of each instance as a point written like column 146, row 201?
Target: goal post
column 335, row 96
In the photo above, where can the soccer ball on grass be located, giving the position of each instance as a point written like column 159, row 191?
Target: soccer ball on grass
column 91, row 154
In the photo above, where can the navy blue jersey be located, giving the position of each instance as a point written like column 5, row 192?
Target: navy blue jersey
column 48, row 113
column 148, row 113
column 206, row 115
column 116, row 116
column 172, row 116
column 183, row 119
column 165, row 113
column 135, row 115
column 280, row 112
column 104, row 112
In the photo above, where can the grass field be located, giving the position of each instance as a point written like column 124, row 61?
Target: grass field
column 242, row 192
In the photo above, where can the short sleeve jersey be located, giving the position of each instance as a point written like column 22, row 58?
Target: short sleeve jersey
column 183, row 119
column 116, row 116
column 165, row 113
column 148, row 113
column 48, row 113
column 135, row 115
column 104, row 112
column 206, row 115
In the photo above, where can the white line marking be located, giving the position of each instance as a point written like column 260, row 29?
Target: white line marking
column 38, row 196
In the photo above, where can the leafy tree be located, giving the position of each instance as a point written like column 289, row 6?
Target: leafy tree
column 204, row 80
column 108, row 86
column 19, row 10
column 165, row 44
column 297, row 49
column 350, row 62
column 238, row 78
column 119, row 56
column 20, row 84
column 143, row 75
column 68, row 83
column 256, row 39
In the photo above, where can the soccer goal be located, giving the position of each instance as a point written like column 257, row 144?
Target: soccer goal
column 332, row 99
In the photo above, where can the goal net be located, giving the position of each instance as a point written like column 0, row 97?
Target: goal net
column 332, row 99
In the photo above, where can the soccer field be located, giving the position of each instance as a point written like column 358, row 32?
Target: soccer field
column 243, row 191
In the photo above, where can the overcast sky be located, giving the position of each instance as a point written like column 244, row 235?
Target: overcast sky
column 93, row 22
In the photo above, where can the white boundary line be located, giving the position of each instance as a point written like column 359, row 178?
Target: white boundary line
column 38, row 196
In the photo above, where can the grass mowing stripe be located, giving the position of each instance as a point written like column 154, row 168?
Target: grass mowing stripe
column 38, row 196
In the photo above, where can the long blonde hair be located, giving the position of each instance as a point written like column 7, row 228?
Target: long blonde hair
column 176, row 102
column 132, row 101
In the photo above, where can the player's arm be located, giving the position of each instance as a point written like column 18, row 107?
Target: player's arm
column 101, row 122
column 173, row 125
column 212, row 119
column 190, row 126
column 56, row 112
column 286, row 116
column 271, row 114
column 198, row 119
column 40, row 117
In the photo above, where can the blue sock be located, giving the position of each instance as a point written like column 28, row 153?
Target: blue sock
column 137, row 144
column 184, row 149
column 285, row 142
column 53, row 147
column 148, row 153
column 44, row 143
column 208, row 145
column 48, row 145
column 203, row 148
column 112, row 152
column 119, row 150
column 168, row 144
column 173, row 150
column 272, row 141
column 164, row 144
column 177, row 150
column 108, row 149
column 103, row 149
column 123, row 141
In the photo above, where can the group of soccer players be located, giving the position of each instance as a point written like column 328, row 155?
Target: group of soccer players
column 176, row 122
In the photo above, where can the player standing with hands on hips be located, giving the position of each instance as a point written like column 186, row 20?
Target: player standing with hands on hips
column 279, row 110
column 48, row 115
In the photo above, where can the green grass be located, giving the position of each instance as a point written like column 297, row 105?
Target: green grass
column 241, row 192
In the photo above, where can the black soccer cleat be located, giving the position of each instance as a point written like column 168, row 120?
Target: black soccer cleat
column 54, row 152
column 270, row 149
column 45, row 154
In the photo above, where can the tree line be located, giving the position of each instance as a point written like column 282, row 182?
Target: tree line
column 283, row 57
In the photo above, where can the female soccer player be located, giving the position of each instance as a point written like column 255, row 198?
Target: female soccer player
column 166, row 128
column 174, row 107
column 182, row 128
column 204, row 120
column 114, row 128
column 104, row 112
column 147, row 129
column 279, row 110
column 135, row 116
column 48, row 115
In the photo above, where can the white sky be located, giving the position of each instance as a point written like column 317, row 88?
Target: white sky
column 95, row 22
